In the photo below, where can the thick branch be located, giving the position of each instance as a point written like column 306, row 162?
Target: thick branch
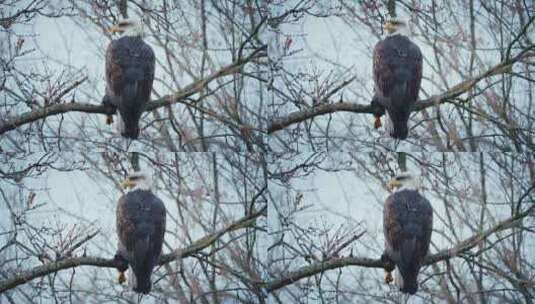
column 188, row 91
column 325, row 107
column 197, row 246
column 445, row 254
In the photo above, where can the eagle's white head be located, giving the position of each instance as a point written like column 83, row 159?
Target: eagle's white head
column 137, row 180
column 129, row 27
column 404, row 181
column 397, row 27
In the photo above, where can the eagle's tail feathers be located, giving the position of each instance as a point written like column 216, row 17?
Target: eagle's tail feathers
column 399, row 111
column 406, row 280
column 398, row 123
column 133, row 106
column 141, row 268
column 139, row 282
column 407, row 270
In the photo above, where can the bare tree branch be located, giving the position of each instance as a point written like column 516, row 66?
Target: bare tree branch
column 326, row 108
column 442, row 255
column 188, row 91
column 188, row 251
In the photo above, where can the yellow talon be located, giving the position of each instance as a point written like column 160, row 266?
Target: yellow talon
column 122, row 277
column 388, row 277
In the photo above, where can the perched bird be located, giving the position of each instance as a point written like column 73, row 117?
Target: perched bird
column 140, row 229
column 397, row 73
column 407, row 223
column 129, row 76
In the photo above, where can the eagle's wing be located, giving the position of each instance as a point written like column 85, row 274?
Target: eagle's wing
column 395, row 59
column 407, row 214
column 415, row 63
column 141, row 209
column 158, row 215
column 114, row 72
column 147, row 61
column 129, row 59
column 382, row 71
column 392, row 227
column 426, row 224
column 125, row 228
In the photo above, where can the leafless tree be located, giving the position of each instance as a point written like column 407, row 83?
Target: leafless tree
column 215, row 206
column 274, row 92
column 209, row 76
column 329, row 251
column 477, row 88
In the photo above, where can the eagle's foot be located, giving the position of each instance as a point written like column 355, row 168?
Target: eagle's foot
column 378, row 110
column 122, row 277
column 388, row 277
column 121, row 261
column 109, row 119
column 388, row 264
column 377, row 124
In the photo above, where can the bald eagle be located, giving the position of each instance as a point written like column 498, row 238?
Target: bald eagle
column 397, row 73
column 129, row 76
column 408, row 223
column 140, row 229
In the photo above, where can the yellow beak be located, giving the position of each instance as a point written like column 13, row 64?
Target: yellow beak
column 115, row 29
column 393, row 183
column 390, row 27
column 127, row 183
